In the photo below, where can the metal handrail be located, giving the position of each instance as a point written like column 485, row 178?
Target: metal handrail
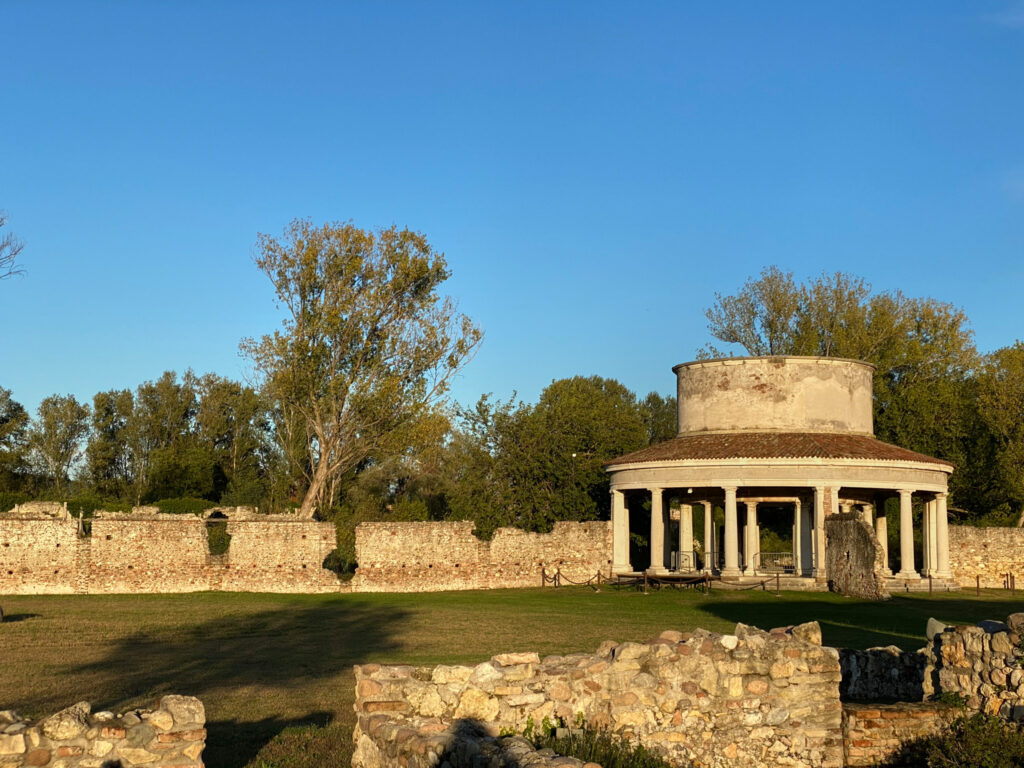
column 775, row 562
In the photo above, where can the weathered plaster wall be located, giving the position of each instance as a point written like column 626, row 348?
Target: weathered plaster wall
column 987, row 552
column 171, row 736
column 783, row 394
column 434, row 556
column 749, row 698
column 854, row 559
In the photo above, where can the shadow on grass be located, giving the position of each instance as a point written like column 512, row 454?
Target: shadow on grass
column 259, row 658
column 10, row 618
column 236, row 743
column 853, row 623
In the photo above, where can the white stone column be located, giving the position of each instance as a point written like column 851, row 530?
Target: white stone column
column 942, row 536
column 928, row 539
column 750, row 547
column 732, row 556
column 798, row 543
column 686, row 538
column 834, row 506
column 657, row 532
column 818, row 569
column 882, row 534
column 620, row 533
column 868, row 511
column 709, row 537
column 907, row 570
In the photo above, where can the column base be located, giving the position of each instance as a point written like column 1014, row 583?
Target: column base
column 658, row 571
column 731, row 573
column 621, row 568
column 907, row 575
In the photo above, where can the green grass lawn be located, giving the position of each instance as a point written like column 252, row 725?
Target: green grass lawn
column 268, row 667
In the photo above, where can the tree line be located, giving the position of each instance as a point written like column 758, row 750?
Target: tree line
column 348, row 417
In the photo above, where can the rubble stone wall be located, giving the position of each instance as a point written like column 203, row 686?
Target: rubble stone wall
column 987, row 552
column 42, row 551
column 434, row 556
column 171, row 736
column 752, row 697
column 984, row 665
column 882, row 674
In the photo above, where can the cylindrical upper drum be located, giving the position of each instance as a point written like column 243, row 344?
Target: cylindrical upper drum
column 775, row 394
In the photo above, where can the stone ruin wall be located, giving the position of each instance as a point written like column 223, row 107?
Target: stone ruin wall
column 41, row 552
column 171, row 736
column 854, row 559
column 436, row 556
column 748, row 698
column 987, row 552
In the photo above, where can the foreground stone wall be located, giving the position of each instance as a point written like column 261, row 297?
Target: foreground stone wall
column 854, row 559
column 434, row 556
column 42, row 551
column 982, row 665
column 752, row 697
column 171, row 736
column 987, row 552
column 882, row 674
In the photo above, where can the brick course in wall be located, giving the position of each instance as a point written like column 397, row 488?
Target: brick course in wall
column 874, row 732
column 434, row 556
column 987, row 552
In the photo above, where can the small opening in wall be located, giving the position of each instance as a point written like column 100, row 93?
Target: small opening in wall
column 279, row 566
column 109, row 537
column 10, row 573
column 303, row 535
column 303, row 566
column 7, row 544
column 58, row 544
column 457, row 565
column 430, row 566
column 55, row 573
column 131, row 567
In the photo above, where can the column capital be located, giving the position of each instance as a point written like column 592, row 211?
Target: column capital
column 905, row 492
column 730, row 488
column 941, row 495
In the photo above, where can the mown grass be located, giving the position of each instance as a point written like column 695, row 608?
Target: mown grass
column 275, row 671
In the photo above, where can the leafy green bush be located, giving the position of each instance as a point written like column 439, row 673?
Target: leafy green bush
column 598, row 746
column 978, row 741
column 218, row 537
column 9, row 500
column 184, row 506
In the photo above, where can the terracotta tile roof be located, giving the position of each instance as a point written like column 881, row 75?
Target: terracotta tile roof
column 772, row 445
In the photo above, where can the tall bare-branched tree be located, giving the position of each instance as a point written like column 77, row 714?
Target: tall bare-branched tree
column 10, row 248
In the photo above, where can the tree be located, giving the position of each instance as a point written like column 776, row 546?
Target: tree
column 13, row 440
column 108, row 454
column 57, row 434
column 922, row 349
column 368, row 345
column 659, row 417
column 10, row 248
column 1000, row 402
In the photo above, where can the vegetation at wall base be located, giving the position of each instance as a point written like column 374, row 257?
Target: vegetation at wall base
column 974, row 741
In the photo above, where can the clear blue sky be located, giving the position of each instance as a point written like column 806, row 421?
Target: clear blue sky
column 594, row 172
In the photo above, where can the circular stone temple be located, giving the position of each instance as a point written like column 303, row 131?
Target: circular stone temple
column 790, row 438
